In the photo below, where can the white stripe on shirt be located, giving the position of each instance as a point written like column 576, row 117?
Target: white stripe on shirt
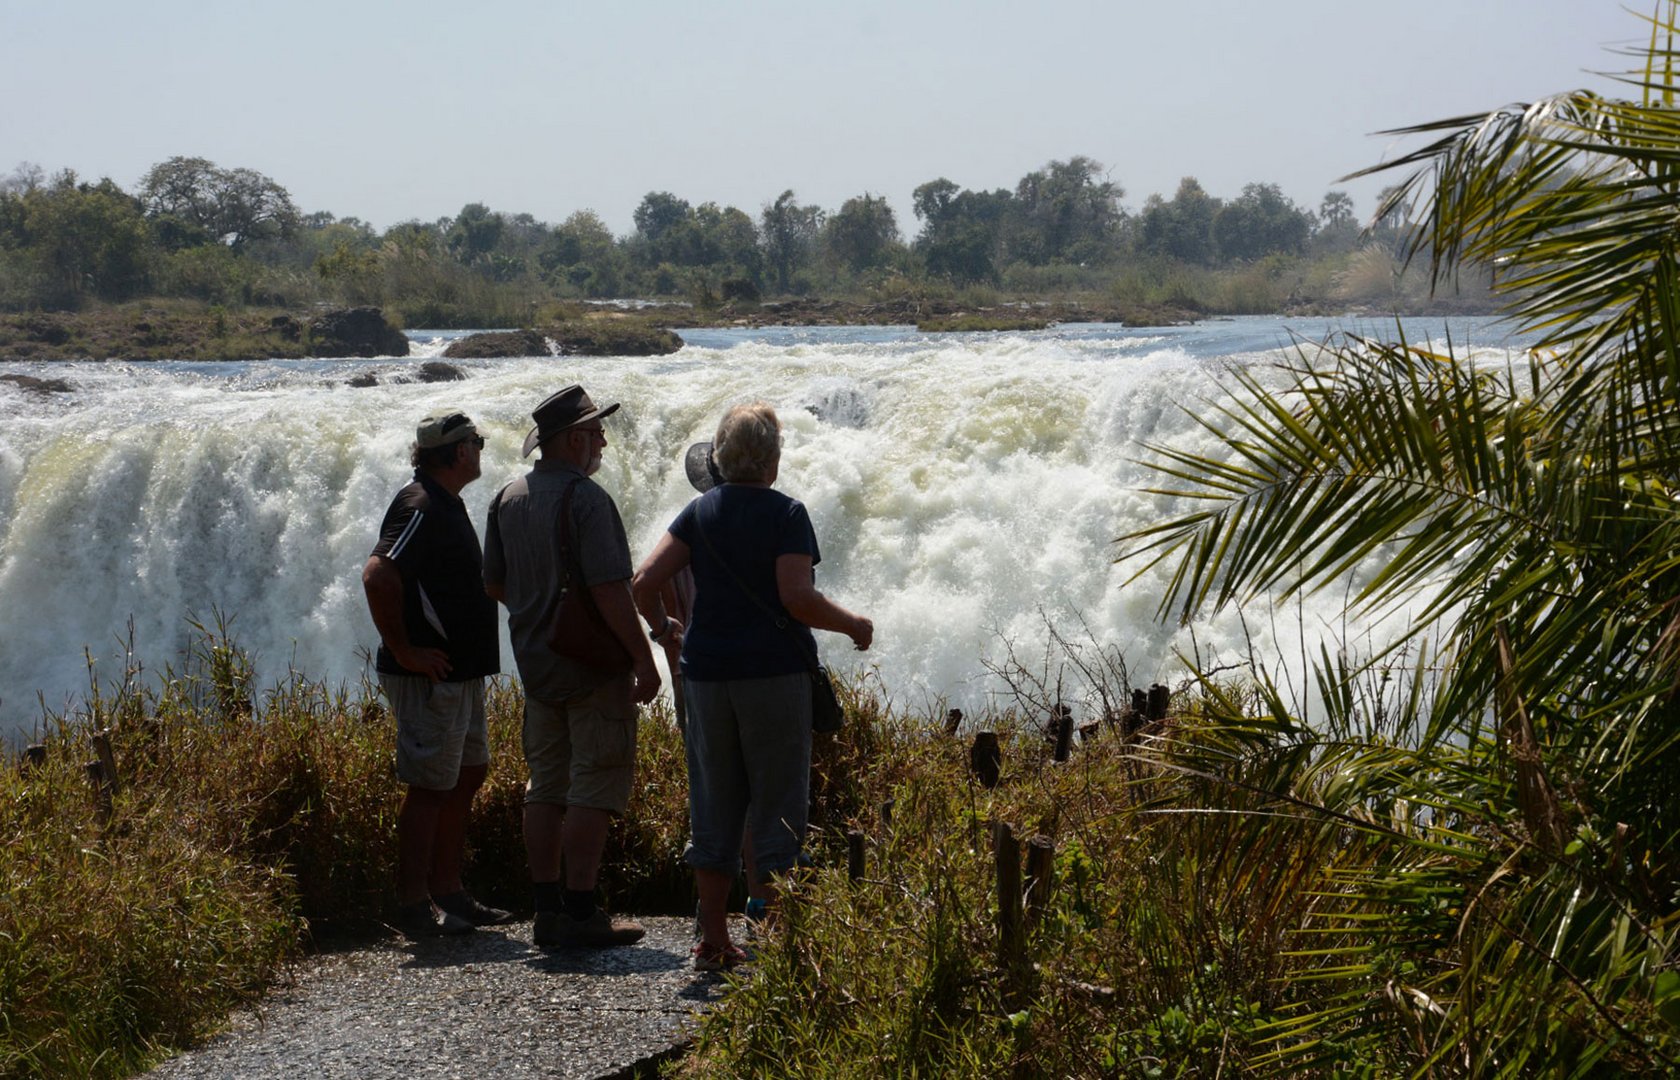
column 407, row 534
column 430, row 612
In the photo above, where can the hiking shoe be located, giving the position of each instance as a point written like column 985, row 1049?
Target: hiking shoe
column 558, row 930
column 420, row 920
column 467, row 907
column 709, row 957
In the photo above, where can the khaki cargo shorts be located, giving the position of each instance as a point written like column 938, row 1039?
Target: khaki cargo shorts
column 582, row 751
column 440, row 728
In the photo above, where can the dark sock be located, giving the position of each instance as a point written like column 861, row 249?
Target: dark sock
column 580, row 903
column 545, row 895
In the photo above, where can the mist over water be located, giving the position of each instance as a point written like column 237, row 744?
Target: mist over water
column 965, row 489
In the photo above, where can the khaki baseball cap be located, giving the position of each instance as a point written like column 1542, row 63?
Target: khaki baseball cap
column 452, row 426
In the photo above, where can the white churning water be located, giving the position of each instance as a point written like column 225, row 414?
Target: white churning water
column 965, row 490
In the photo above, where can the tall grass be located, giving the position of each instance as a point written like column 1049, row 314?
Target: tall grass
column 245, row 825
column 1235, row 894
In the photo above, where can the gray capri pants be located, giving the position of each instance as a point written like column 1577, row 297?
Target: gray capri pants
column 749, row 748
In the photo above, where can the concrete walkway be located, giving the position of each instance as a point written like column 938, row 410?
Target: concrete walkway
column 486, row 1004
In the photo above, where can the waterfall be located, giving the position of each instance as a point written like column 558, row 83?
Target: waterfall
column 966, row 491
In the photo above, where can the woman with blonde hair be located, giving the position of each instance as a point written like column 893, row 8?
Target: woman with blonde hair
column 747, row 655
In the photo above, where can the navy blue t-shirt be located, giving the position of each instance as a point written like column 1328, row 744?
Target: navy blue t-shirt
column 730, row 636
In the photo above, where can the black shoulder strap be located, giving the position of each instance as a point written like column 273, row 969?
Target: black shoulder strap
column 571, row 560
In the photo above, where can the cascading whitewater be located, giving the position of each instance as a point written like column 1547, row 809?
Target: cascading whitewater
column 965, row 490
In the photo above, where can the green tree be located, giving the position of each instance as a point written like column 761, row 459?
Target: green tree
column 1337, row 229
column 862, row 234
column 1183, row 227
column 930, row 201
column 23, row 179
column 232, row 205
column 964, row 233
column 356, row 272
column 1335, row 209
column 1068, row 211
column 474, row 233
column 1261, row 221
column 1523, row 781
column 74, row 242
column 790, row 236
column 725, row 239
column 660, row 219
column 582, row 254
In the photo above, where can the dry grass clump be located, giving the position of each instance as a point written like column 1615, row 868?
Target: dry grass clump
column 123, row 935
column 242, row 826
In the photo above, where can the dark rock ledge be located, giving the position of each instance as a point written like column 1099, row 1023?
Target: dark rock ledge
column 597, row 336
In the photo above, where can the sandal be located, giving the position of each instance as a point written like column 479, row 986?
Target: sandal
column 708, row 957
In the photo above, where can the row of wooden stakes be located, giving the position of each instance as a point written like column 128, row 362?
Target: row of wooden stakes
column 1023, row 890
column 101, row 769
column 985, row 756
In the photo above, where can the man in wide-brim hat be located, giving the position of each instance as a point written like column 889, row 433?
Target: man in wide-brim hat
column 561, row 412
column 580, row 723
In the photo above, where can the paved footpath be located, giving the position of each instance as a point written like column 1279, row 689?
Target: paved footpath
column 486, row 1004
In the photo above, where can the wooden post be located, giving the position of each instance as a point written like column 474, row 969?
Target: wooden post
column 854, row 855
column 1062, row 719
column 1088, row 733
column 34, row 756
column 1140, row 702
column 1006, row 852
column 1159, row 696
column 985, row 758
column 107, row 760
column 101, row 790
column 886, row 813
column 953, row 721
column 1041, row 869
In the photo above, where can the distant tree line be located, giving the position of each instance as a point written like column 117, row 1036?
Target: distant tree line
column 195, row 230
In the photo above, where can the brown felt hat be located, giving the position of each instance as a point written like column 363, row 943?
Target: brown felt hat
column 562, row 410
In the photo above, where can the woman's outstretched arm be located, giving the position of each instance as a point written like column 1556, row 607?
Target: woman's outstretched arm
column 798, row 593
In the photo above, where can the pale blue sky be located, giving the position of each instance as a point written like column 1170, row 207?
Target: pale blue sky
column 395, row 111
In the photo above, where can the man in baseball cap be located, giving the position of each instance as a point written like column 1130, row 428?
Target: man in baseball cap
column 437, row 634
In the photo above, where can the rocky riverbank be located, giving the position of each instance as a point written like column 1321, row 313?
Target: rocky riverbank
column 931, row 314
column 176, row 331
column 181, row 332
column 580, row 337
